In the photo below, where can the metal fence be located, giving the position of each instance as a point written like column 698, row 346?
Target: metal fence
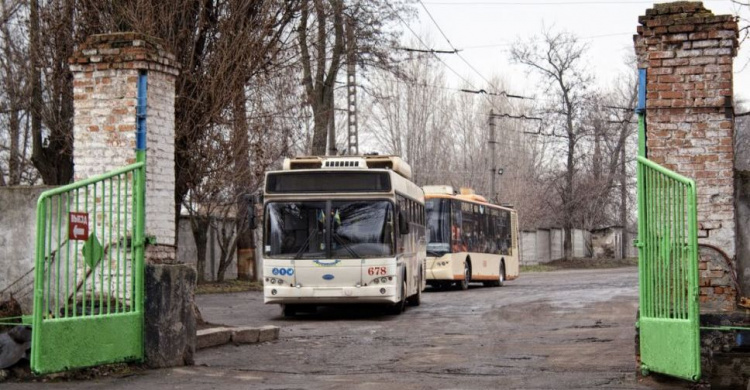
column 88, row 280
column 668, row 272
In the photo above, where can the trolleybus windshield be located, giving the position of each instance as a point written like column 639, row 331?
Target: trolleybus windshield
column 329, row 229
column 439, row 223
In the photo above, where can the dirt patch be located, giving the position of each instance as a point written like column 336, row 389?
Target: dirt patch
column 22, row 373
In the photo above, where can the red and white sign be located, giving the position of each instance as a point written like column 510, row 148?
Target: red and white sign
column 78, row 226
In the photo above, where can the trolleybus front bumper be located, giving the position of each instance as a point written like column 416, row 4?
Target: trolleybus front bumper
column 377, row 293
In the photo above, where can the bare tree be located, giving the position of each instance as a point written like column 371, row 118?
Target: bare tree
column 322, row 44
column 14, row 150
column 411, row 116
column 558, row 59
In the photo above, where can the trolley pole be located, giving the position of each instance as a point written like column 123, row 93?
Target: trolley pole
column 493, row 169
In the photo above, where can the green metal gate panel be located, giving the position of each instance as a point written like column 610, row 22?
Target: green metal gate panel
column 88, row 282
column 668, row 272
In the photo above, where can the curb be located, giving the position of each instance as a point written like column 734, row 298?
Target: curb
column 214, row 337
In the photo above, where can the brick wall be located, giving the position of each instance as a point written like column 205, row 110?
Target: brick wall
column 106, row 69
column 688, row 53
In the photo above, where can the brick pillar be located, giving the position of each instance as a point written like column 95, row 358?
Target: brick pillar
column 688, row 53
column 106, row 69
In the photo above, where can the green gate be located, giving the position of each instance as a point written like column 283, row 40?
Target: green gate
column 668, row 272
column 88, row 282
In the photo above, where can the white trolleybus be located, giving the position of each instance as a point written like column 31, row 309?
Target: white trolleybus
column 343, row 230
column 470, row 240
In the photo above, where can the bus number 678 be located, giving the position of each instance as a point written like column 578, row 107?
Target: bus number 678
column 377, row 271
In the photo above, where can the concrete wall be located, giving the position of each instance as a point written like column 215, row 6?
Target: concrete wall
column 542, row 246
column 581, row 243
column 545, row 245
column 556, row 244
column 17, row 236
column 528, row 243
column 188, row 254
column 17, row 243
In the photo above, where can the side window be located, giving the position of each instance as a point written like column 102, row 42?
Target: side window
column 457, row 242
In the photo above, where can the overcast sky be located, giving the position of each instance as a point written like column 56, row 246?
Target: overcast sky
column 484, row 30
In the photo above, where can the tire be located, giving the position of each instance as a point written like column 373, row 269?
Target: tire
column 400, row 306
column 501, row 281
column 416, row 299
column 464, row 284
column 289, row 310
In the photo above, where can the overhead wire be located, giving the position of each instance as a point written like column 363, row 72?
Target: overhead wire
column 510, row 43
column 445, row 36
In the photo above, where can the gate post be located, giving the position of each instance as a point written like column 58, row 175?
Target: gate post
column 111, row 72
column 687, row 52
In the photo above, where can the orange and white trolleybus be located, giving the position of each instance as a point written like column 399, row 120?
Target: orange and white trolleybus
column 343, row 230
column 470, row 239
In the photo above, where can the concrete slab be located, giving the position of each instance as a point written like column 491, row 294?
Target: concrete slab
column 213, row 337
column 268, row 333
column 245, row 335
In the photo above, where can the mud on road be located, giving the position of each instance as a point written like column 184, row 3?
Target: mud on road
column 568, row 329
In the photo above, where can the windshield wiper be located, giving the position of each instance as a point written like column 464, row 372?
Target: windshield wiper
column 346, row 246
column 305, row 245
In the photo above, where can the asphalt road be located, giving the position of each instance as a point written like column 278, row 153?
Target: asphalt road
column 551, row 330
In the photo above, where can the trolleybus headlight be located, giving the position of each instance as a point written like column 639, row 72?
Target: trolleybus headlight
column 390, row 278
column 376, row 281
column 382, row 291
column 279, row 281
column 273, row 280
column 383, row 280
column 273, row 292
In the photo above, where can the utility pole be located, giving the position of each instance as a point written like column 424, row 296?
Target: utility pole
column 493, row 169
column 351, row 89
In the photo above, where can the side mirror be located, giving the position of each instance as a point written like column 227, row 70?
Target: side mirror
column 403, row 224
column 252, row 222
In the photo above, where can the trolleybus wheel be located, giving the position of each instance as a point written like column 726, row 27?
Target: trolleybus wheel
column 464, row 284
column 399, row 307
column 416, row 299
column 289, row 310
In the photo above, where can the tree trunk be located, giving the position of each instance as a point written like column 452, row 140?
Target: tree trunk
column 568, row 196
column 53, row 156
column 200, row 226
column 319, row 86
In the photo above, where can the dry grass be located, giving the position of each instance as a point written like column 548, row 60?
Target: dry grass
column 581, row 263
column 228, row 286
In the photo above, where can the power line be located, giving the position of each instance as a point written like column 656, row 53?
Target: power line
column 424, row 44
column 457, row 51
column 435, row 55
column 431, row 51
column 503, row 93
column 511, row 43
